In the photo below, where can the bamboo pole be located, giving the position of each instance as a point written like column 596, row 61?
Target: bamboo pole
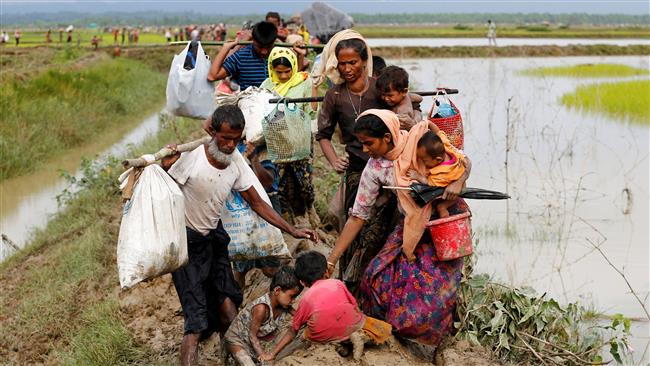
column 165, row 151
column 244, row 43
column 438, row 91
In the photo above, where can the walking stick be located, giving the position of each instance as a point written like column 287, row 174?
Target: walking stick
column 165, row 151
column 320, row 99
column 243, row 43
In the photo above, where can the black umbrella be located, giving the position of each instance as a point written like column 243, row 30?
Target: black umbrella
column 423, row 194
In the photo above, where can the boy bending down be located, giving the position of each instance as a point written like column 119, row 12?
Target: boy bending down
column 329, row 311
column 260, row 320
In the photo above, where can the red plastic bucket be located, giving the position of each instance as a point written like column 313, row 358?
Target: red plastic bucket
column 452, row 236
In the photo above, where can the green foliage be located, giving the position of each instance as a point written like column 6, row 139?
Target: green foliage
column 59, row 110
column 521, row 327
column 103, row 339
column 626, row 101
column 67, row 53
column 462, row 27
column 587, row 71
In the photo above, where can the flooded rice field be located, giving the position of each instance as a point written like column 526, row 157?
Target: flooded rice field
column 28, row 201
column 449, row 42
column 578, row 181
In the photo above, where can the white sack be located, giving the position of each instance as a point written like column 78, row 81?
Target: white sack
column 251, row 237
column 189, row 93
column 152, row 239
column 254, row 104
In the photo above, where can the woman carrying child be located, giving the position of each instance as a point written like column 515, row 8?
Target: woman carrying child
column 403, row 284
column 347, row 62
column 295, row 187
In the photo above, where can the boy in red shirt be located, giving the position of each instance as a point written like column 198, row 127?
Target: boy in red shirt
column 329, row 311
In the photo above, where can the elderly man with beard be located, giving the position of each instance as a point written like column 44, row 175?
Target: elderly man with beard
column 206, row 287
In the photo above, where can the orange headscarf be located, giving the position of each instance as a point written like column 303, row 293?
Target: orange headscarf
column 392, row 122
column 415, row 216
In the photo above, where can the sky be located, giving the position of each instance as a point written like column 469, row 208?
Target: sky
column 634, row 7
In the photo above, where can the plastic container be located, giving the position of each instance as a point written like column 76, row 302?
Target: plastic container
column 452, row 236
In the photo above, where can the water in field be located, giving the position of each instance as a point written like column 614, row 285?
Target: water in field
column 577, row 181
column 449, row 42
column 28, row 201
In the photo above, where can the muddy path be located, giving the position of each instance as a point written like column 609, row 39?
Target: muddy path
column 151, row 311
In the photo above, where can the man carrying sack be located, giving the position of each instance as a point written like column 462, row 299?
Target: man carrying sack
column 205, row 286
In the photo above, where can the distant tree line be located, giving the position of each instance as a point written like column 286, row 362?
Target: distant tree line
column 166, row 18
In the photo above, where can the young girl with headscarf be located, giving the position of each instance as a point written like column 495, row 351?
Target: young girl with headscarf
column 286, row 79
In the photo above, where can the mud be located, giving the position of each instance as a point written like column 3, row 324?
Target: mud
column 153, row 314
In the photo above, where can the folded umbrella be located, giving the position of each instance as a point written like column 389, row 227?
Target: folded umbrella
column 423, row 193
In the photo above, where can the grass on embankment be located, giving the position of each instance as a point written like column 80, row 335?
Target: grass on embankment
column 59, row 299
column 58, row 110
column 587, row 71
column 480, row 31
column 510, row 51
column 627, row 100
column 32, row 38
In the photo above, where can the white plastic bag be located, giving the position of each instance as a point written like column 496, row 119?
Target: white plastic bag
column 189, row 93
column 251, row 237
column 254, row 104
column 152, row 239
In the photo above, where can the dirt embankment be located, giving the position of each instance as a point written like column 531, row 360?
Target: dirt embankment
column 510, row 51
column 153, row 314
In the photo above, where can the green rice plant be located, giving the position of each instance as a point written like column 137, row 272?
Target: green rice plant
column 587, row 71
column 59, row 110
column 524, row 328
column 626, row 100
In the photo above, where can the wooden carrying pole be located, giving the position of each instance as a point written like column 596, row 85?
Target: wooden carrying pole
column 165, row 151
column 244, row 43
column 439, row 91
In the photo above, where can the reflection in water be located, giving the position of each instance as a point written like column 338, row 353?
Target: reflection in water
column 567, row 171
column 450, row 42
column 28, row 201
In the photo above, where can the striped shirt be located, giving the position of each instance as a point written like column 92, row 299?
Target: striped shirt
column 246, row 68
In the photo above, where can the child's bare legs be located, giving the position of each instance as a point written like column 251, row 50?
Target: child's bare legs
column 443, row 208
column 359, row 340
column 240, row 355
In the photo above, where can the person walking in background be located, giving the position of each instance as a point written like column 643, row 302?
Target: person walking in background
column 3, row 38
column 60, row 35
column 116, row 32
column 274, row 17
column 492, row 33
column 123, row 35
column 94, row 42
column 17, row 36
column 168, row 35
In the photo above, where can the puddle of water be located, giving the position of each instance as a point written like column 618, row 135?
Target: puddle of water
column 449, row 42
column 28, row 201
column 567, row 175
